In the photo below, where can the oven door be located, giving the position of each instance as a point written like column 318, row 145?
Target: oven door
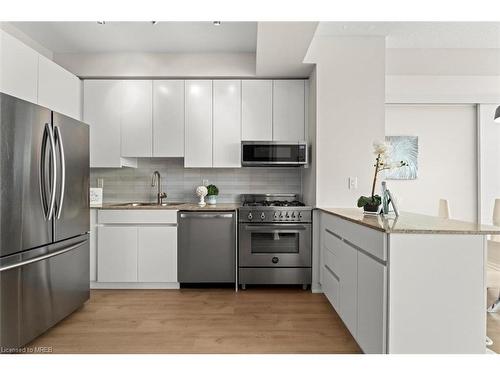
column 275, row 245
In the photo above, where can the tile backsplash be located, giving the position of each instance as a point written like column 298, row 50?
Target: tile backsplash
column 134, row 184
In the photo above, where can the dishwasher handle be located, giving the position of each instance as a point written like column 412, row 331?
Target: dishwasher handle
column 197, row 215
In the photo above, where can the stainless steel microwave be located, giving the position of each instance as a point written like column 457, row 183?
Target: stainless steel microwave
column 273, row 153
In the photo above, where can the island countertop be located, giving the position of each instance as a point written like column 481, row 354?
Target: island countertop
column 411, row 223
column 178, row 207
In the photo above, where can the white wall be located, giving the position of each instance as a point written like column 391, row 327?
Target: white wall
column 16, row 33
column 350, row 98
column 489, row 160
column 443, row 61
column 447, row 157
column 112, row 65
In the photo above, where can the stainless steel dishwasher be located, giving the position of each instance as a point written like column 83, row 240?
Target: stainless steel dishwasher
column 206, row 250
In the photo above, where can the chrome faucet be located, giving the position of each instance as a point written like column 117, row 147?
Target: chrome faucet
column 156, row 181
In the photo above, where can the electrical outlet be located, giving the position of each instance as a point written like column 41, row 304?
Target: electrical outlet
column 205, row 182
column 353, row 183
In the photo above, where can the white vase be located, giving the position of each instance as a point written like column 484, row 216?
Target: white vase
column 212, row 199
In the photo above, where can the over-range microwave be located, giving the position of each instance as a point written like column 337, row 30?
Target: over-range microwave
column 273, row 153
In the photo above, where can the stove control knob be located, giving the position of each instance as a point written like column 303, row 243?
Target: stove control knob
column 275, row 260
column 262, row 216
column 287, row 215
column 281, row 215
column 276, row 216
column 250, row 217
column 300, row 216
column 294, row 216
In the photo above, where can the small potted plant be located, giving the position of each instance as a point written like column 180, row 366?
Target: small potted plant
column 382, row 150
column 212, row 194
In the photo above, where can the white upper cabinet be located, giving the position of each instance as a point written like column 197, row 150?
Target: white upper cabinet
column 257, row 110
column 288, row 110
column 58, row 89
column 102, row 111
column 168, row 118
column 18, row 68
column 136, row 118
column 198, row 124
column 227, row 123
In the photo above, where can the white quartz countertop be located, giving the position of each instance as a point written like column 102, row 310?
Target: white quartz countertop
column 171, row 206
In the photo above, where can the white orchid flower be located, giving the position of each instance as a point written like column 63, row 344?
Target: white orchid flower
column 381, row 148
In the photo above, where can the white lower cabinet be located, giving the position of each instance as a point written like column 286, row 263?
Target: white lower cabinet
column 116, row 254
column 157, row 254
column 354, row 281
column 348, row 266
column 93, row 245
column 371, row 310
column 136, row 249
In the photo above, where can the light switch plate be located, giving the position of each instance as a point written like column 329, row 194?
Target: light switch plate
column 353, row 183
column 95, row 196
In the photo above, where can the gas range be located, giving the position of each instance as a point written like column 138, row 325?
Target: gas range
column 273, row 208
column 275, row 240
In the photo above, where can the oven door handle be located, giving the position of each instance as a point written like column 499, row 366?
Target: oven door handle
column 275, row 229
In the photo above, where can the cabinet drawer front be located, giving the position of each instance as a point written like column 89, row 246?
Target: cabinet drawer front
column 370, row 240
column 331, row 287
column 331, row 260
column 134, row 216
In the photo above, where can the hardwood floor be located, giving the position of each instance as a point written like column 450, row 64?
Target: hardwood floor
column 201, row 321
column 493, row 322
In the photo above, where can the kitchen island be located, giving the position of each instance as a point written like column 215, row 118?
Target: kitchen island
column 411, row 284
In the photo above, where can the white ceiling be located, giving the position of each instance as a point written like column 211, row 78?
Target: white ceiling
column 167, row 37
column 421, row 34
column 281, row 47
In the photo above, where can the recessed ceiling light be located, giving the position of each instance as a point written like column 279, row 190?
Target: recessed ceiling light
column 101, row 22
column 217, row 23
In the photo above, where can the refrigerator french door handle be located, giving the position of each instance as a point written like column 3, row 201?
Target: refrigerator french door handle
column 63, row 170
column 54, row 172
column 41, row 177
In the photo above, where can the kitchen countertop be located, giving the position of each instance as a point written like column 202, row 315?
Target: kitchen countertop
column 178, row 207
column 411, row 223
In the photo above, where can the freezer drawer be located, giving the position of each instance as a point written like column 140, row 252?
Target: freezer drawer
column 40, row 287
column 206, row 249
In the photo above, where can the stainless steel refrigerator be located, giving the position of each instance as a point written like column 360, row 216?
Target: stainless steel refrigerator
column 44, row 222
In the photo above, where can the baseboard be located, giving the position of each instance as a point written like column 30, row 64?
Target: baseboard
column 316, row 288
column 98, row 285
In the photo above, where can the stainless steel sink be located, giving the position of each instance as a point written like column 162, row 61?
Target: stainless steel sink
column 147, row 204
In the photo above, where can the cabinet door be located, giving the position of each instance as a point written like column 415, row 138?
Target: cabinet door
column 227, row 124
column 168, row 118
column 371, row 305
column 18, row 68
column 58, row 89
column 348, row 269
column 157, row 254
column 198, row 116
column 101, row 110
column 136, row 118
column 288, row 110
column 117, row 254
column 257, row 110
